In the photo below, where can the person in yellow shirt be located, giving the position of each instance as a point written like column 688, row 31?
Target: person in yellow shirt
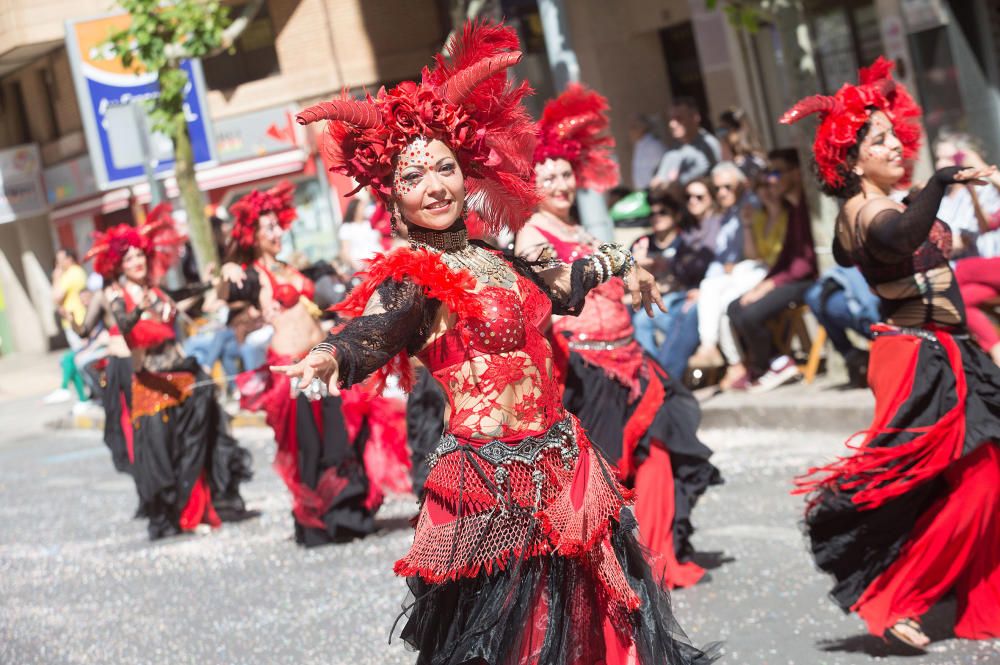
column 69, row 280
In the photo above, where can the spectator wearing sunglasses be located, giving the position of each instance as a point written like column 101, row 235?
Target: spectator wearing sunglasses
column 784, row 286
column 677, row 259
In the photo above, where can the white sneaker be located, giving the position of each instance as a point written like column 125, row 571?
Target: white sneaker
column 783, row 370
column 57, row 397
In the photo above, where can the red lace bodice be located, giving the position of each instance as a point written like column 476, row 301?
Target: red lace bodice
column 497, row 368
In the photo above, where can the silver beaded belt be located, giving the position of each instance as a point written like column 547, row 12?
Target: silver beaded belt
column 922, row 333
column 600, row 345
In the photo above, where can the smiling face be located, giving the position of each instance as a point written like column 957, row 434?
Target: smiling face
column 268, row 234
column 134, row 265
column 428, row 185
column 556, row 182
column 728, row 188
column 880, row 154
column 699, row 199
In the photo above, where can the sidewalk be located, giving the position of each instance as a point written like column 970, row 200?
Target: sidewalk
column 25, row 375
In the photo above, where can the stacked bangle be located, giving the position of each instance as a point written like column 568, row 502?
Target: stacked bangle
column 325, row 347
column 619, row 260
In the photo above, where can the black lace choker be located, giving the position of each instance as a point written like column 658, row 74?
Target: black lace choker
column 452, row 239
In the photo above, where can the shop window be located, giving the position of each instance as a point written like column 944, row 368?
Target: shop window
column 254, row 57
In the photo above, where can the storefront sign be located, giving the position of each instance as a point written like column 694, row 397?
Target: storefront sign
column 22, row 194
column 70, row 181
column 107, row 92
column 255, row 134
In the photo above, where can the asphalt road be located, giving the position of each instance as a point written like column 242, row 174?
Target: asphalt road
column 79, row 582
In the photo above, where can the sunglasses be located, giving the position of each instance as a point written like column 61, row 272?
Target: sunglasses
column 697, row 197
column 661, row 212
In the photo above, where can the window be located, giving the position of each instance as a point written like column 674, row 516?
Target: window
column 254, row 57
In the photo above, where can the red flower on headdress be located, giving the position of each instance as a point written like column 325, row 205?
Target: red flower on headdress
column 464, row 101
column 158, row 239
column 249, row 209
column 846, row 112
column 573, row 127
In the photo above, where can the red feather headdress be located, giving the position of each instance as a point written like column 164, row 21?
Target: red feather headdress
column 248, row 210
column 158, row 238
column 844, row 113
column 466, row 102
column 573, row 127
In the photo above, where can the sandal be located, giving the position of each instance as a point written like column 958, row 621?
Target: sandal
column 908, row 632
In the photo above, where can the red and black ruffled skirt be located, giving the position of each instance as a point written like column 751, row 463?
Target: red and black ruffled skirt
column 649, row 429
column 914, row 512
column 524, row 552
column 319, row 456
column 116, row 398
column 187, row 468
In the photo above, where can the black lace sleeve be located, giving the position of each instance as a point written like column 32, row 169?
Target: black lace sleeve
column 370, row 341
column 892, row 235
column 248, row 292
column 566, row 284
column 125, row 319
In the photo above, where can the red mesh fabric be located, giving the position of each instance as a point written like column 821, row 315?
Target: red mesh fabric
column 464, row 528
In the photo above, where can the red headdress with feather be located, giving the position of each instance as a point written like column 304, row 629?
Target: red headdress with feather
column 573, row 127
column 248, row 210
column 466, row 102
column 158, row 238
column 844, row 113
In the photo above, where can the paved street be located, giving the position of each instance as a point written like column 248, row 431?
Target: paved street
column 79, row 583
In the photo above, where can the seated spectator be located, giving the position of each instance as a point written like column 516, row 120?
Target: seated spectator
column 694, row 151
column 739, row 145
column 762, row 232
column 841, row 300
column 783, row 287
column 979, row 283
column 677, row 255
column 213, row 341
column 973, row 213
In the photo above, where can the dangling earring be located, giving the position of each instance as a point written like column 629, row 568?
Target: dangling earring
column 396, row 222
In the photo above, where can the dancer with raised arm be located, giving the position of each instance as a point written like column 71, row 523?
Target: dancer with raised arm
column 522, row 552
column 187, row 468
column 317, row 456
column 643, row 420
column 914, row 512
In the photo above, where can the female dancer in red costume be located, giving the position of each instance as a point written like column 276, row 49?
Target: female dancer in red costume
column 914, row 513
column 643, row 420
column 522, row 551
column 187, row 468
column 320, row 448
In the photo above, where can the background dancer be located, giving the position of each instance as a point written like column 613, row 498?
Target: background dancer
column 645, row 421
column 187, row 468
column 316, row 457
column 913, row 513
column 519, row 554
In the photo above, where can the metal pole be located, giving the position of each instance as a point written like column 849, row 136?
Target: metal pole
column 156, row 193
column 565, row 70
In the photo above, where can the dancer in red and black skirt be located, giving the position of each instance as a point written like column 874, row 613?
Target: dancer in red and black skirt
column 643, row 420
column 319, row 457
column 187, row 468
column 914, row 512
column 522, row 551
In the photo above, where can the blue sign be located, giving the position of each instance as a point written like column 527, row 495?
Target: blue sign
column 113, row 101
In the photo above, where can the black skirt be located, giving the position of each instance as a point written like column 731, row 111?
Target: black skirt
column 181, row 436
column 603, row 408
column 117, row 389
column 856, row 544
column 425, row 407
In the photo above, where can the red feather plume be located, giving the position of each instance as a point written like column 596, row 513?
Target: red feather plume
column 158, row 238
column 573, row 127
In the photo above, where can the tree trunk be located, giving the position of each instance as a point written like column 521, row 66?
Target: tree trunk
column 199, row 230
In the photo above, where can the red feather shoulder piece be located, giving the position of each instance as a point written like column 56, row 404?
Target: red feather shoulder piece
column 439, row 282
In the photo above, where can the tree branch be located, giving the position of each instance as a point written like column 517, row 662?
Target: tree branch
column 177, row 52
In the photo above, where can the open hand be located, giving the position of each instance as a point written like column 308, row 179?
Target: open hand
column 233, row 272
column 975, row 175
column 315, row 366
column 645, row 291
